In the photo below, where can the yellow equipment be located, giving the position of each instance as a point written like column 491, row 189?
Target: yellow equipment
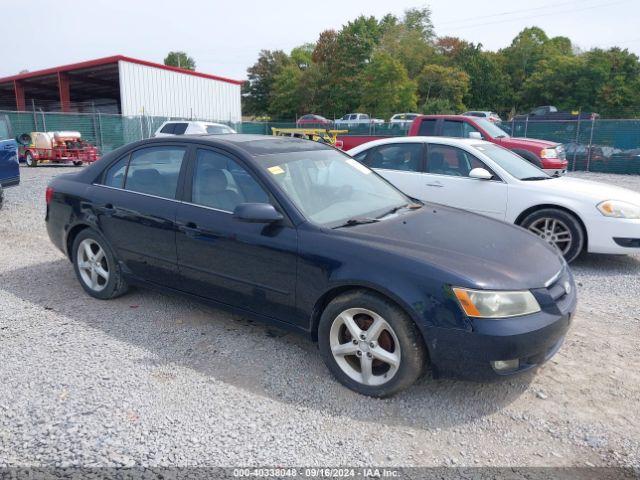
column 315, row 134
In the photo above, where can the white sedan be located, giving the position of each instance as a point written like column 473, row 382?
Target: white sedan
column 571, row 214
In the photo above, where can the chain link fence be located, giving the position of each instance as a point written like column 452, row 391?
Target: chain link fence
column 591, row 145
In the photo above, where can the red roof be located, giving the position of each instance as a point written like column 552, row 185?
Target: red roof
column 109, row 60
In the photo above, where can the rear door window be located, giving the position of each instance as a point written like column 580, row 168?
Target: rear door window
column 114, row 176
column 155, row 171
column 180, row 128
column 396, row 156
column 427, row 128
column 453, row 128
column 168, row 128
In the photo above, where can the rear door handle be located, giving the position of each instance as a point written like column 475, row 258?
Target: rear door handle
column 190, row 228
column 107, row 209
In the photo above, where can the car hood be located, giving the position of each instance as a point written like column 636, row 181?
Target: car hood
column 597, row 191
column 514, row 142
column 475, row 250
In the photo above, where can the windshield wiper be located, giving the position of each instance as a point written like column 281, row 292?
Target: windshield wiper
column 357, row 221
column 411, row 206
column 526, row 179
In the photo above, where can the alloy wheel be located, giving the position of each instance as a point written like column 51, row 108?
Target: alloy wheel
column 555, row 232
column 93, row 265
column 364, row 346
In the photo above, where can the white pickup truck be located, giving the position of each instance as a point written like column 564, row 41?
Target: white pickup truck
column 356, row 120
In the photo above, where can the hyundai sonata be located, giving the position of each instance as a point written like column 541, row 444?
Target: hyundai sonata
column 298, row 234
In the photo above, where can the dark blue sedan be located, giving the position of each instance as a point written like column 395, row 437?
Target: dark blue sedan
column 298, row 234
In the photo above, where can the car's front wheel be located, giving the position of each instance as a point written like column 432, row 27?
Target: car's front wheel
column 560, row 229
column 96, row 266
column 370, row 345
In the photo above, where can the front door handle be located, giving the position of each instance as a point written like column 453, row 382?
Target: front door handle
column 437, row 185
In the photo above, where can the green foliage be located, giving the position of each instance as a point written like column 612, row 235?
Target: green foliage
column 386, row 87
column 180, row 60
column 442, row 82
column 398, row 64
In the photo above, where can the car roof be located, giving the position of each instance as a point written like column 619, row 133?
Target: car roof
column 254, row 145
column 419, row 139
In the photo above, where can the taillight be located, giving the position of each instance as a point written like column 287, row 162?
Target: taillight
column 48, row 195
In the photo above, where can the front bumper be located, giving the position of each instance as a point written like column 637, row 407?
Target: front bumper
column 532, row 339
column 613, row 235
column 555, row 172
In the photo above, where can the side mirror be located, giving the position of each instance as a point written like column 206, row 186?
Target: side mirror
column 480, row 174
column 257, row 213
column 475, row 135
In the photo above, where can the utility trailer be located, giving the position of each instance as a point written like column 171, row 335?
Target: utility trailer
column 56, row 147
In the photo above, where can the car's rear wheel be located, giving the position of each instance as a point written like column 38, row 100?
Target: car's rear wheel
column 370, row 345
column 560, row 229
column 78, row 163
column 30, row 160
column 96, row 266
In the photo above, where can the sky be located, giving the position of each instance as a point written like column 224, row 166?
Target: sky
column 225, row 37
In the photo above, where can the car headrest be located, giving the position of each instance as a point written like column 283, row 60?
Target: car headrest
column 215, row 180
column 436, row 160
column 146, row 176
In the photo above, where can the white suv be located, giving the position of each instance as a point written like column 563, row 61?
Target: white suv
column 178, row 127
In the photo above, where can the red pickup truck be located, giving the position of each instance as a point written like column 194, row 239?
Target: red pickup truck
column 549, row 156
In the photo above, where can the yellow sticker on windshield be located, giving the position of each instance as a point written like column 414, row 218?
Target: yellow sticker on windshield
column 359, row 166
column 277, row 170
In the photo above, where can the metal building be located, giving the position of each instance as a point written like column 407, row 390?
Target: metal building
column 126, row 86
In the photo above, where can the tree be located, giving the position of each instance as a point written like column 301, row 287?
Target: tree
column 257, row 90
column 419, row 20
column 180, row 60
column 386, row 87
column 442, row 82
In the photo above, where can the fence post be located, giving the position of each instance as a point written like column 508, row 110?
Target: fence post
column 35, row 117
column 526, row 126
column 100, row 130
column 593, row 123
column 575, row 151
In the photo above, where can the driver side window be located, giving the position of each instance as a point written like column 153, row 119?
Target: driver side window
column 452, row 161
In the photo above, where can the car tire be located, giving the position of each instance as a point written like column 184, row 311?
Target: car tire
column 29, row 160
column 553, row 225
column 99, row 274
column 397, row 340
column 78, row 163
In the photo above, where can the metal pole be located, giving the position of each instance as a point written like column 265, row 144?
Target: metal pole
column 95, row 124
column 100, row 129
column 593, row 123
column 526, row 126
column 35, row 117
column 575, row 151
column 44, row 121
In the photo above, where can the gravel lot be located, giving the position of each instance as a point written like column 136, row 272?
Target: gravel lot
column 158, row 380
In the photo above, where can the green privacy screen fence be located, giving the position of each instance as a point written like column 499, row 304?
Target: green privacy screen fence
column 592, row 145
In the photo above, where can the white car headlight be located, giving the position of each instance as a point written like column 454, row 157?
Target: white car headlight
column 619, row 209
column 549, row 153
column 496, row 304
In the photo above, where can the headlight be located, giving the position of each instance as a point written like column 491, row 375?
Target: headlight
column 619, row 209
column 549, row 153
column 496, row 304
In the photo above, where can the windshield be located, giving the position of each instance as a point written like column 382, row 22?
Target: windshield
column 514, row 164
column 330, row 188
column 219, row 129
column 491, row 128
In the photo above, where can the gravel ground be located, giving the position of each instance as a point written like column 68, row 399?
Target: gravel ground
column 158, row 380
